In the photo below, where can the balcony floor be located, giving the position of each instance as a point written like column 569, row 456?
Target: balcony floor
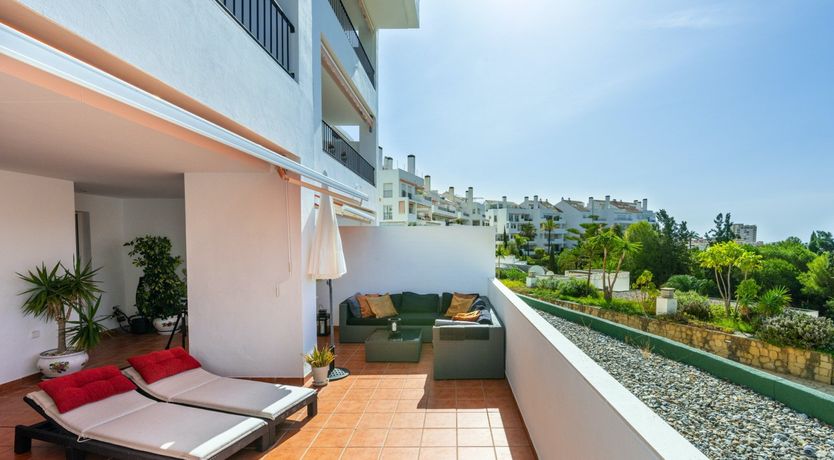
column 382, row 411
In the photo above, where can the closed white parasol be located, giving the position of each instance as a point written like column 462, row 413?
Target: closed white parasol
column 327, row 262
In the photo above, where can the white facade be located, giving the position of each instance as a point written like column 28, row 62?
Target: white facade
column 509, row 217
column 168, row 118
column 745, row 234
column 607, row 212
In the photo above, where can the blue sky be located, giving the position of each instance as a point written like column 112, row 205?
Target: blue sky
column 700, row 107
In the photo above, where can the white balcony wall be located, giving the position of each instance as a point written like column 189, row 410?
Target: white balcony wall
column 418, row 259
column 572, row 408
column 38, row 225
column 197, row 48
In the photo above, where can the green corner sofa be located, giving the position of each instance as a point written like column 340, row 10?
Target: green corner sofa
column 415, row 310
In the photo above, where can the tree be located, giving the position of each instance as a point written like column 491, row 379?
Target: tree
column 722, row 259
column 549, row 226
column 818, row 281
column 586, row 249
column 614, row 248
column 528, row 231
column 821, row 241
column 648, row 290
column 723, row 230
column 501, row 251
column 665, row 247
column 520, row 242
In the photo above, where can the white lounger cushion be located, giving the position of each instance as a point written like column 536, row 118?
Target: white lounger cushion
column 134, row 421
column 197, row 387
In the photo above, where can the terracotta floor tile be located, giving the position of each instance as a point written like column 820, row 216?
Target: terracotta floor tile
column 387, row 393
column 368, row 438
column 476, row 453
column 419, row 382
column 411, row 405
column 381, row 405
column 404, row 437
column 505, row 419
column 439, row 437
column 470, row 393
column 408, row 420
column 400, row 453
column 366, row 383
column 474, row 437
column 375, row 420
column 443, row 393
column 293, row 439
column 285, row 453
column 413, row 393
column 343, row 421
column 471, row 405
column 473, row 420
column 441, row 405
column 323, row 453
column 510, row 437
column 438, row 453
column 333, row 437
column 361, row 453
column 515, row 453
column 441, row 420
column 350, row 407
column 392, row 383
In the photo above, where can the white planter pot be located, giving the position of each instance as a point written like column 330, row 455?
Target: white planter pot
column 58, row 365
column 165, row 326
column 320, row 375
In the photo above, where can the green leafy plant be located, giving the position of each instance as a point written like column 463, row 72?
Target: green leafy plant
column 686, row 283
column 161, row 292
column 575, row 287
column 693, row 304
column 773, row 301
column 746, row 294
column 647, row 290
column 86, row 331
column 513, row 274
column 55, row 294
column 798, row 330
column 320, row 357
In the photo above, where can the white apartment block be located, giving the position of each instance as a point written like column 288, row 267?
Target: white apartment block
column 508, row 217
column 216, row 123
column 607, row 212
column 405, row 198
column 745, row 234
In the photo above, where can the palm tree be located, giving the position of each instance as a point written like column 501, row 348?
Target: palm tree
column 613, row 247
column 520, row 242
column 548, row 226
column 528, row 231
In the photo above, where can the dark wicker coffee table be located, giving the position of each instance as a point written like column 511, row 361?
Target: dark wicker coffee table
column 381, row 346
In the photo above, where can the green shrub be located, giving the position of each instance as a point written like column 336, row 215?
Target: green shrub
column 773, row 301
column 798, row 330
column 513, row 274
column 694, row 304
column 686, row 283
column 548, row 283
column 574, row 287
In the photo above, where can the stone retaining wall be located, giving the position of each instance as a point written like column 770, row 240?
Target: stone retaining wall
column 807, row 364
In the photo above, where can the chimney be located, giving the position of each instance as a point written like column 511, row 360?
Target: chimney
column 607, row 201
column 411, row 161
column 526, row 198
column 591, row 204
column 451, row 192
column 470, row 195
column 388, row 163
column 427, row 184
column 535, row 202
column 645, row 204
column 504, row 202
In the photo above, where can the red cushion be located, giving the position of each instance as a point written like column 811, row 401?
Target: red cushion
column 160, row 364
column 86, row 386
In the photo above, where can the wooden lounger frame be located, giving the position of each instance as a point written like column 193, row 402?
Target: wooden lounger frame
column 50, row 431
column 311, row 402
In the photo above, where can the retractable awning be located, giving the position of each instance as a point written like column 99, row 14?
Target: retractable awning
column 29, row 51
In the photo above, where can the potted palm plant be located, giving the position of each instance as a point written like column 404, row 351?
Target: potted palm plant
column 68, row 297
column 319, row 360
column 161, row 292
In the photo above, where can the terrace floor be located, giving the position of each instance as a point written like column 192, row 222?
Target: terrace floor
column 382, row 411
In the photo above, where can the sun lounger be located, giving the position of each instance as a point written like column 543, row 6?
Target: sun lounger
column 129, row 425
column 199, row 388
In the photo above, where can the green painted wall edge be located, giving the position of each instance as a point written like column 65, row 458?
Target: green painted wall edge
column 799, row 397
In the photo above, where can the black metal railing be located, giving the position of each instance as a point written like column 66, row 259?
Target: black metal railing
column 264, row 21
column 353, row 38
column 340, row 149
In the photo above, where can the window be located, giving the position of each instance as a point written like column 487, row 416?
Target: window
column 402, row 207
column 387, row 190
column 387, row 212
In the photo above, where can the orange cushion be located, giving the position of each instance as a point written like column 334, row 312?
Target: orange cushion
column 460, row 303
column 470, row 316
column 364, row 307
column 382, row 306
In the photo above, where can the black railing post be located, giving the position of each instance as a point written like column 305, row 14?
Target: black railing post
column 353, row 38
column 337, row 147
column 259, row 19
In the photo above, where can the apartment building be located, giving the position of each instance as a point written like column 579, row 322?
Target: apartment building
column 509, row 217
column 745, row 233
column 405, row 198
column 216, row 123
column 606, row 211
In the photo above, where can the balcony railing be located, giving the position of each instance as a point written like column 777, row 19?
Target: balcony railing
column 353, row 38
column 266, row 24
column 340, row 149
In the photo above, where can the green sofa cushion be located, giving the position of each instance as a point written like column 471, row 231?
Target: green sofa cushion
column 354, row 321
column 418, row 319
column 397, row 300
column 419, row 303
column 445, row 302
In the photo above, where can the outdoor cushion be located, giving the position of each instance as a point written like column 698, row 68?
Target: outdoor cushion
column 134, row 421
column 420, row 303
column 471, row 316
column 460, row 304
column 353, row 305
column 418, row 319
column 160, row 364
column 364, row 307
column 446, row 301
column 85, row 387
column 204, row 389
column 382, row 306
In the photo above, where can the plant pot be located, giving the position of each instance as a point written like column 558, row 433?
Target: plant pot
column 320, row 376
column 140, row 325
column 52, row 365
column 165, row 326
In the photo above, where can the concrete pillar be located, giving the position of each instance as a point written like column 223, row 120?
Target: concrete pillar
column 666, row 303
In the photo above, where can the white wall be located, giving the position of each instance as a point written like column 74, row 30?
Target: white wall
column 572, row 408
column 37, row 224
column 245, row 274
column 418, row 259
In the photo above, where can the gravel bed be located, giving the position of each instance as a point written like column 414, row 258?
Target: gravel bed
column 722, row 419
